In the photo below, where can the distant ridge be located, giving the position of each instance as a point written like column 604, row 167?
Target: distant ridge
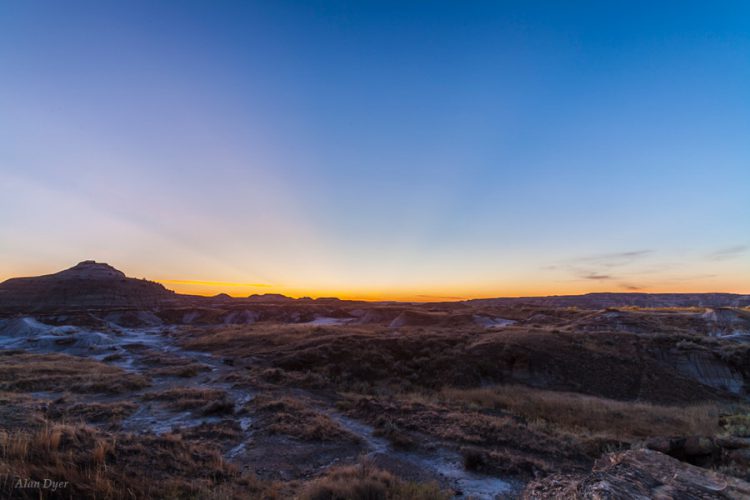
column 613, row 299
column 87, row 285
column 270, row 297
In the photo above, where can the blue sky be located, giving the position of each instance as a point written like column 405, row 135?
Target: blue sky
column 380, row 149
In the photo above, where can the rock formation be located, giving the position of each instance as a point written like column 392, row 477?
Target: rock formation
column 640, row 474
column 85, row 286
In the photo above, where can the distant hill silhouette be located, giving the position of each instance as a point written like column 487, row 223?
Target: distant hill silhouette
column 603, row 300
column 87, row 285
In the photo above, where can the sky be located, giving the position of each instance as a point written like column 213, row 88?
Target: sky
column 379, row 150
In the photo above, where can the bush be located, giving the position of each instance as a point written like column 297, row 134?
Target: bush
column 366, row 482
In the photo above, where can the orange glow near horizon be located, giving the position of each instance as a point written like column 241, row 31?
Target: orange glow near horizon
column 434, row 294
column 437, row 284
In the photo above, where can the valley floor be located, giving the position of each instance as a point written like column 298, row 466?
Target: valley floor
column 332, row 409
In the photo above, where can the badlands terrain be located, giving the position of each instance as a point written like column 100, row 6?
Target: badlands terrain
column 113, row 387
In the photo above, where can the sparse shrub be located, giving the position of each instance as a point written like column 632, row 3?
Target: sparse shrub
column 398, row 438
column 366, row 482
column 736, row 424
column 292, row 417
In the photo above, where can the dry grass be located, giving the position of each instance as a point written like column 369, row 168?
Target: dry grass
column 219, row 433
column 521, row 431
column 119, row 466
column 184, row 371
column 370, row 359
column 691, row 310
column 72, row 412
column 19, row 411
column 292, row 417
column 20, row 371
column 577, row 412
column 352, row 357
column 508, row 444
column 171, row 365
column 366, row 482
column 243, row 340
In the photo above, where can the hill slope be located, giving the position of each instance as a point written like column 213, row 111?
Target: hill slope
column 87, row 285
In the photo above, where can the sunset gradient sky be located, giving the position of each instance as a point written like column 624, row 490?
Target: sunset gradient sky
column 398, row 150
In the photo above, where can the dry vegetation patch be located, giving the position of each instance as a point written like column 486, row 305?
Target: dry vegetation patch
column 93, row 412
column 183, row 371
column 121, row 466
column 21, row 371
column 19, row 411
column 292, row 417
column 366, row 482
column 171, row 365
column 227, row 430
column 578, row 412
column 508, row 445
column 372, row 359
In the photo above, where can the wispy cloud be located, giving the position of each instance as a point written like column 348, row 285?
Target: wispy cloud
column 728, row 252
column 615, row 259
column 689, row 277
column 630, row 287
column 593, row 276
column 598, row 267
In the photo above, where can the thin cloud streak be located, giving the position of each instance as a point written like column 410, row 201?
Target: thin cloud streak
column 630, row 287
column 690, row 277
column 727, row 253
column 598, row 267
column 599, row 277
column 615, row 259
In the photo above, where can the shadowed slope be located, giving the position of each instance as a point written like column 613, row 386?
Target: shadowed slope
column 88, row 285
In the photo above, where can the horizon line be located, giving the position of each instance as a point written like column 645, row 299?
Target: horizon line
column 354, row 297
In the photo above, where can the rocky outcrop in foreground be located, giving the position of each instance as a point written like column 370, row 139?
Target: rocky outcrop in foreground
column 640, row 474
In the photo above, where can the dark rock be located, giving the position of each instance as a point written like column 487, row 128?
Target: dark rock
column 696, row 445
column 640, row 474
